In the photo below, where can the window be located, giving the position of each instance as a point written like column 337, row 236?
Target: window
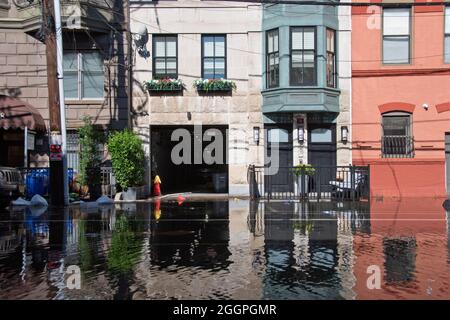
column 165, row 57
column 303, row 56
column 397, row 141
column 214, row 57
column 331, row 58
column 272, row 59
column 83, row 75
column 447, row 35
column 396, row 35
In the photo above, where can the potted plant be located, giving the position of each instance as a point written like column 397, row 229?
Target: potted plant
column 303, row 172
column 90, row 158
column 127, row 158
column 165, row 84
column 208, row 85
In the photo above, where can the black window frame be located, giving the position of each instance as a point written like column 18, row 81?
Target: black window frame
column 214, row 56
column 269, row 83
column 329, row 53
column 291, row 51
column 404, row 144
column 165, row 57
column 383, row 37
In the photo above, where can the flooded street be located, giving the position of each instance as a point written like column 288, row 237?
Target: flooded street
column 233, row 249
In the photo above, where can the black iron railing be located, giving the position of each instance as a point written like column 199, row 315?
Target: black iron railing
column 322, row 183
column 397, row 146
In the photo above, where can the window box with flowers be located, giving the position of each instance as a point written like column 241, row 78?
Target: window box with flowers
column 163, row 85
column 214, row 85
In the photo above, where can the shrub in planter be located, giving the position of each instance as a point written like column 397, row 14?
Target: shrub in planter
column 214, row 85
column 165, row 84
column 90, row 158
column 303, row 172
column 127, row 157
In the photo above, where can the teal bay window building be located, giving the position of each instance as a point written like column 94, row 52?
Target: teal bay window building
column 301, row 91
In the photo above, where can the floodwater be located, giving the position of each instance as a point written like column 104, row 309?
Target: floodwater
column 227, row 250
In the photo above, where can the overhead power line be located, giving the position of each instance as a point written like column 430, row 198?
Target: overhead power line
column 339, row 4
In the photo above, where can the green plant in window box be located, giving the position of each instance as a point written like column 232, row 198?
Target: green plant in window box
column 307, row 169
column 165, row 84
column 214, row 85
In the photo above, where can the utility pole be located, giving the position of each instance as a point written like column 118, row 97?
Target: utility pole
column 58, row 170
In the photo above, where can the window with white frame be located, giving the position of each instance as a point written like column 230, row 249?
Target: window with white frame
column 447, row 35
column 396, row 35
column 83, row 75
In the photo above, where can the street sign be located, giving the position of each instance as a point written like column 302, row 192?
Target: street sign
column 56, row 152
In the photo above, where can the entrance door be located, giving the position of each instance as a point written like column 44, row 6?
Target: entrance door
column 447, row 161
column 282, row 181
column 322, row 155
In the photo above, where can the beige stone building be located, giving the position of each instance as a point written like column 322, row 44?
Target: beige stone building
column 95, row 71
column 191, row 40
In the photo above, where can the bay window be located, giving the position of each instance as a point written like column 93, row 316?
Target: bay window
column 331, row 58
column 272, row 59
column 303, row 56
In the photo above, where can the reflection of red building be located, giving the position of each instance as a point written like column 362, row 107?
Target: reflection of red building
column 409, row 242
column 401, row 105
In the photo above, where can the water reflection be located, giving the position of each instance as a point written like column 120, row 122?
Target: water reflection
column 227, row 249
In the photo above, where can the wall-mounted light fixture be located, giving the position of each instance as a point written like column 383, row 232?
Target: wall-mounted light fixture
column 256, row 134
column 344, row 133
column 301, row 129
column 301, row 133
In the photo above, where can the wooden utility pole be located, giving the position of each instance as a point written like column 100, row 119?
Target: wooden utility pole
column 56, row 167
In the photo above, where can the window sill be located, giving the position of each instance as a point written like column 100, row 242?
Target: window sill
column 82, row 102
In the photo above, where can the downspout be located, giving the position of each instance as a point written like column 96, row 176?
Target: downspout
column 129, row 64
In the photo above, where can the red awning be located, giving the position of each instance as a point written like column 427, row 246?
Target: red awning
column 17, row 114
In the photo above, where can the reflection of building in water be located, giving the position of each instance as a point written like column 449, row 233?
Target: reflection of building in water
column 308, row 248
column 194, row 234
column 201, row 251
column 448, row 236
column 408, row 243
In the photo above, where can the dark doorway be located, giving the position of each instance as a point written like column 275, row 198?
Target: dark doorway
column 12, row 146
column 195, row 175
column 322, row 154
column 283, row 180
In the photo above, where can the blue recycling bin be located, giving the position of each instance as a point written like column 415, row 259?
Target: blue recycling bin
column 37, row 181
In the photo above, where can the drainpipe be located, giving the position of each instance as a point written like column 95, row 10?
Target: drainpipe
column 129, row 64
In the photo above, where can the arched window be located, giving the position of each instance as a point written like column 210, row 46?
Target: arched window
column 397, row 139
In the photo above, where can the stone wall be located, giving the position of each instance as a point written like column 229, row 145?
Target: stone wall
column 240, row 110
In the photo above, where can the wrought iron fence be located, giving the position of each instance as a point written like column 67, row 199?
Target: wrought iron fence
column 322, row 183
column 397, row 146
column 108, row 182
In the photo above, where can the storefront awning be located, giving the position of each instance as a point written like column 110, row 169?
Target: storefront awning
column 17, row 114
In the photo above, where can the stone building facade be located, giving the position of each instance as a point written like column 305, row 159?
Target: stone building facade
column 95, row 65
column 202, row 40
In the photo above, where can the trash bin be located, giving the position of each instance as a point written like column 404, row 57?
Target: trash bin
column 220, row 182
